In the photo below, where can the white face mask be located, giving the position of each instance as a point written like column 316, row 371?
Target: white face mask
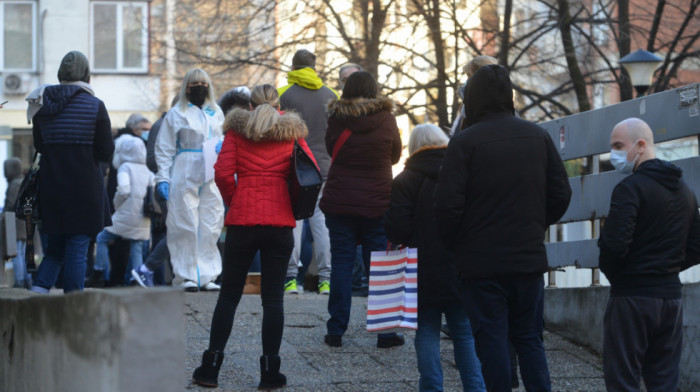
column 618, row 158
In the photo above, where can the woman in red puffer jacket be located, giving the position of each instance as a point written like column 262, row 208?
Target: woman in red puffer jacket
column 251, row 172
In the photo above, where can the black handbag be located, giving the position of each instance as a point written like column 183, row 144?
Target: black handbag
column 151, row 207
column 27, row 204
column 27, row 209
column 305, row 182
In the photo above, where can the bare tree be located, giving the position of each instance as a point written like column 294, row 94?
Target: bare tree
column 562, row 54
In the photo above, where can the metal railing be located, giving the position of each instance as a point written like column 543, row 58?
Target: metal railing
column 672, row 115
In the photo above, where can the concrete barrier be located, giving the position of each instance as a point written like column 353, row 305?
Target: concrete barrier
column 99, row 340
column 577, row 314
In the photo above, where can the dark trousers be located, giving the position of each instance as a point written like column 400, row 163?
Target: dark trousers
column 159, row 255
column 502, row 309
column 242, row 242
column 345, row 232
column 642, row 337
column 158, row 239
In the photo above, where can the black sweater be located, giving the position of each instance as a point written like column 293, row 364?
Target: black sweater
column 651, row 234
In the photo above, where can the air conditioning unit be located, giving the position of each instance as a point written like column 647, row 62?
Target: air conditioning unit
column 17, row 83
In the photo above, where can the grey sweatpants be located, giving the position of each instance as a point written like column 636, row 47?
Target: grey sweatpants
column 642, row 338
column 322, row 244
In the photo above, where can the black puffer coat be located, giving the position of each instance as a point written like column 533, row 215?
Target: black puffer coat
column 73, row 133
column 410, row 220
column 501, row 185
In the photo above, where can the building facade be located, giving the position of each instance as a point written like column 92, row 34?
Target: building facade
column 36, row 34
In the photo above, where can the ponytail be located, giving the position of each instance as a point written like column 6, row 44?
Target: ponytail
column 265, row 100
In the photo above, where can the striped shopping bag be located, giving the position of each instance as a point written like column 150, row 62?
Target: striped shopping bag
column 393, row 290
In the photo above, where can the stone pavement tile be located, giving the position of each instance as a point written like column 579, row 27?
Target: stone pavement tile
column 564, row 365
column 552, row 341
column 310, row 365
column 379, row 387
column 344, row 367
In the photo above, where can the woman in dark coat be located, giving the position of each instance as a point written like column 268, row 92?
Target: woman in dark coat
column 410, row 221
column 364, row 143
column 73, row 133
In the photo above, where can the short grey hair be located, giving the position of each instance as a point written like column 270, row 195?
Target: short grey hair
column 426, row 135
column 134, row 120
column 348, row 66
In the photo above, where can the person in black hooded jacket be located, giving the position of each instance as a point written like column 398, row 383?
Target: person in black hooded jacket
column 410, row 220
column 652, row 232
column 501, row 185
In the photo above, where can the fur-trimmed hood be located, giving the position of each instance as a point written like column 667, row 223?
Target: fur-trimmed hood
column 359, row 107
column 289, row 127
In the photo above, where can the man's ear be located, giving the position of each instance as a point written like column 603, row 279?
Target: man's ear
column 642, row 146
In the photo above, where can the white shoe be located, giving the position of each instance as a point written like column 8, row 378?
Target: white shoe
column 189, row 286
column 211, row 286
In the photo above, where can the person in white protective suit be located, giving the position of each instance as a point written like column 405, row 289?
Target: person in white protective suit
column 190, row 138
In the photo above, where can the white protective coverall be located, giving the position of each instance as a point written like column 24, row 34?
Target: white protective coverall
column 195, row 208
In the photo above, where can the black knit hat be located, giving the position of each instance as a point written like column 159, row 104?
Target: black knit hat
column 74, row 68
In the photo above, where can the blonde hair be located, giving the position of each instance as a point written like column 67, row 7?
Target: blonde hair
column 478, row 62
column 265, row 101
column 426, row 135
column 195, row 75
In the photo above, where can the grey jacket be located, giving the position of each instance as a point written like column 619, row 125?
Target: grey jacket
column 309, row 97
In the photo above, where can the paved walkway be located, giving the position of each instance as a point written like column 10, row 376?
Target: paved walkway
column 358, row 366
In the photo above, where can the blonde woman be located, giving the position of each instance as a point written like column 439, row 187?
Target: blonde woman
column 188, row 139
column 257, row 151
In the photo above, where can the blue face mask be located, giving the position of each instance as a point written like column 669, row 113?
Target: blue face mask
column 144, row 135
column 618, row 158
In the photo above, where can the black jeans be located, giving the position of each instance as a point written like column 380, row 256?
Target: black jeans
column 242, row 242
column 503, row 310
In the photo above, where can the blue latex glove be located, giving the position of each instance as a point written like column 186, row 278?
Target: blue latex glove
column 218, row 146
column 163, row 190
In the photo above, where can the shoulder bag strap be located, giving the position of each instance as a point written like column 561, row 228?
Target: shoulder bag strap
column 339, row 143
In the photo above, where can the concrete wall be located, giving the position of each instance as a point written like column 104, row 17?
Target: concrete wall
column 107, row 340
column 577, row 314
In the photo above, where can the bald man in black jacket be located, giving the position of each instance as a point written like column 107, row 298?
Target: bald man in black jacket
column 651, row 234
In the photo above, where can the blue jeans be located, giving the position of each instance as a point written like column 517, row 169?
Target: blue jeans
column 345, row 231
column 19, row 265
column 427, row 345
column 503, row 308
column 102, row 256
column 67, row 251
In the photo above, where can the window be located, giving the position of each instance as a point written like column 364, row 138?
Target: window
column 119, row 36
column 18, row 36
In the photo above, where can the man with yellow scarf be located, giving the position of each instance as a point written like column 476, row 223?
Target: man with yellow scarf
column 308, row 96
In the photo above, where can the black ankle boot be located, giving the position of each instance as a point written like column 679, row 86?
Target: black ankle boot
column 97, row 280
column 270, row 376
column 207, row 375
